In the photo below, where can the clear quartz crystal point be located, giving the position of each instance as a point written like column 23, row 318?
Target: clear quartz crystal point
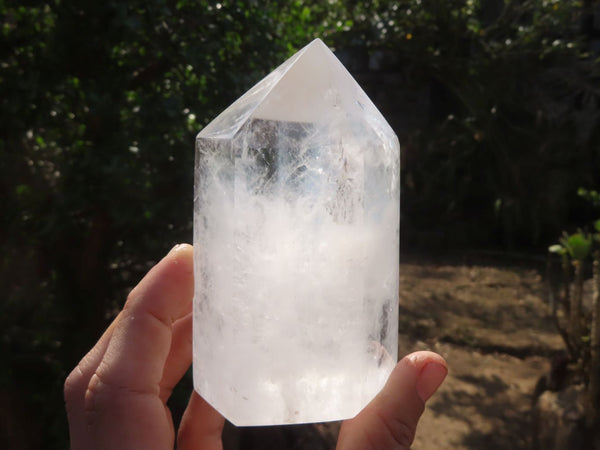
column 296, row 233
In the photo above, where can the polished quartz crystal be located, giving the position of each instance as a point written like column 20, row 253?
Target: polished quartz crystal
column 296, row 233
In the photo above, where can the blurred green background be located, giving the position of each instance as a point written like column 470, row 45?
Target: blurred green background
column 496, row 104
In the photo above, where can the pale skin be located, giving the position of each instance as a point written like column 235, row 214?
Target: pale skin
column 116, row 397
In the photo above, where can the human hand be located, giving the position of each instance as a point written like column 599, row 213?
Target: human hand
column 116, row 397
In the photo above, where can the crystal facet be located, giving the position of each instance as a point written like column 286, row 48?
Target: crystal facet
column 296, row 230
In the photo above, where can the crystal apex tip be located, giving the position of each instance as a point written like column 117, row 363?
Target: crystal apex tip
column 317, row 42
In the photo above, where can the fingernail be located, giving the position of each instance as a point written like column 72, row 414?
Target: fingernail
column 430, row 379
column 175, row 248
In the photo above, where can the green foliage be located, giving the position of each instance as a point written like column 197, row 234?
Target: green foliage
column 578, row 246
column 591, row 196
column 101, row 102
column 557, row 249
column 579, row 328
column 513, row 123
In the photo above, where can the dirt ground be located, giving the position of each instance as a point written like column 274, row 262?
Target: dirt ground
column 487, row 316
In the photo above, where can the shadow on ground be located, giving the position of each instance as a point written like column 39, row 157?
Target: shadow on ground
column 507, row 427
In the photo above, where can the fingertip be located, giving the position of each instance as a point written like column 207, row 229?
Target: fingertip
column 181, row 254
column 176, row 265
column 431, row 370
column 179, row 248
column 421, row 358
column 429, row 380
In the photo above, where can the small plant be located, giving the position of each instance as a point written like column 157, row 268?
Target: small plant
column 580, row 328
column 573, row 249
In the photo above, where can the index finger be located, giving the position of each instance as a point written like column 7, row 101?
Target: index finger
column 135, row 358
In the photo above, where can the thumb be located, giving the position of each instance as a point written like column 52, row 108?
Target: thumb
column 390, row 420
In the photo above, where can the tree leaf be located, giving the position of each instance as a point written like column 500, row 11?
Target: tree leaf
column 579, row 246
column 556, row 248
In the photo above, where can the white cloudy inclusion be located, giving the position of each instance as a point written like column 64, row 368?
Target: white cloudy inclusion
column 296, row 224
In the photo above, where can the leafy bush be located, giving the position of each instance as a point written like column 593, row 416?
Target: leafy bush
column 578, row 326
